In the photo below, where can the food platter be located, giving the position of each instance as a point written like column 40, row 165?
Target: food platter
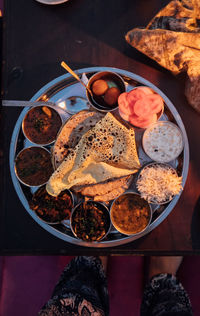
column 58, row 91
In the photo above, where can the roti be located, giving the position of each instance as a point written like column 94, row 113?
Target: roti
column 105, row 191
column 106, row 151
column 72, row 132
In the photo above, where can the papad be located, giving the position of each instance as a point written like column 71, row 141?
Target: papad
column 106, row 151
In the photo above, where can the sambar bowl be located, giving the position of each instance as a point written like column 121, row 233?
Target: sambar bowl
column 130, row 214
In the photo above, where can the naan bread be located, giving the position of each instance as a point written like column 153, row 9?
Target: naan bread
column 105, row 152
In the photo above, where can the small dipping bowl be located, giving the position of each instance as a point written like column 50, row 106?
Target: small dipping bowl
column 163, row 141
column 111, row 85
column 153, row 178
column 90, row 221
column 41, row 125
column 33, row 166
column 130, row 214
column 51, row 209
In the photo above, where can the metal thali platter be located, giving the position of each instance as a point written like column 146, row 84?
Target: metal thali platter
column 58, row 91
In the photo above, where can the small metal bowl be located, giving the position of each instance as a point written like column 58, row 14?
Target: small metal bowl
column 42, row 199
column 23, row 176
column 164, row 165
column 113, row 80
column 85, row 217
column 160, row 148
column 130, row 198
column 37, row 124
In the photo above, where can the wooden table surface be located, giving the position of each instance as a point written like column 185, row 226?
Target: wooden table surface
column 87, row 33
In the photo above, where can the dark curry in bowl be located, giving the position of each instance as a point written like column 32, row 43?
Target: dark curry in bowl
column 52, row 209
column 33, row 166
column 41, row 125
column 90, row 221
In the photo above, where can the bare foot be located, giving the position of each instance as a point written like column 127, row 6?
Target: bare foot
column 104, row 261
column 164, row 264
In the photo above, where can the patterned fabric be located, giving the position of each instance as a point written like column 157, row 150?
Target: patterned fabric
column 165, row 296
column 81, row 290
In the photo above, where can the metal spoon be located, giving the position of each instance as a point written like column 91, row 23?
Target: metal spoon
column 66, row 67
column 20, row 103
column 74, row 104
column 70, row 105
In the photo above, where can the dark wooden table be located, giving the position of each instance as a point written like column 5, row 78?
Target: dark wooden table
column 86, row 33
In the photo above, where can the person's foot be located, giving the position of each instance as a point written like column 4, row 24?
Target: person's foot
column 104, row 261
column 164, row 264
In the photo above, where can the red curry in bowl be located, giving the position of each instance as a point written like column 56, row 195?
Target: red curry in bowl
column 41, row 125
column 52, row 209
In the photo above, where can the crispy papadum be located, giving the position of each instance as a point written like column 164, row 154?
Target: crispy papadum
column 106, row 151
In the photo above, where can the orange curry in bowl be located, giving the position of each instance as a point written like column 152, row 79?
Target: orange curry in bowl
column 130, row 214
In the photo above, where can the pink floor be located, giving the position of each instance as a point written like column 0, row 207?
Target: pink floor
column 27, row 282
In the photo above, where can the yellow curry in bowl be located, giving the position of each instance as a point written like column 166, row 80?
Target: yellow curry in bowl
column 130, row 214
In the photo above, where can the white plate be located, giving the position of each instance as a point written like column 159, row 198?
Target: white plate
column 51, row 1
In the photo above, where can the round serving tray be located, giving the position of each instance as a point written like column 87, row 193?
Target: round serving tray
column 58, row 90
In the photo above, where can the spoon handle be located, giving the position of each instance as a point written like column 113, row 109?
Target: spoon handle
column 66, row 67
column 25, row 103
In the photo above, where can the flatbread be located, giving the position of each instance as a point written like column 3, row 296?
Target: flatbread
column 103, row 188
column 172, row 39
column 115, row 192
column 106, row 151
column 72, row 132
column 105, row 191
